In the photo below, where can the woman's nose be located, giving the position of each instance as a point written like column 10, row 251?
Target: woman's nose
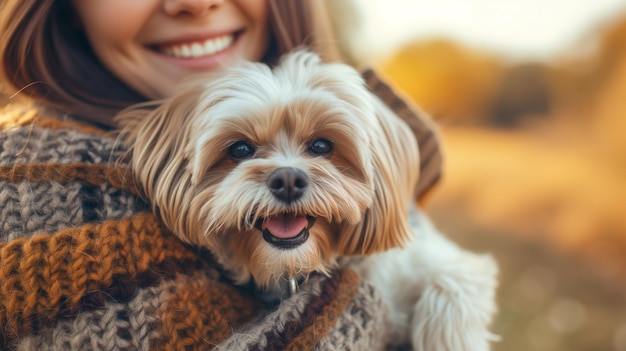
column 191, row 7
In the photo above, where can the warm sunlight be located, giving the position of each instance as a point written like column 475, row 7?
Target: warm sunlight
column 518, row 29
column 529, row 97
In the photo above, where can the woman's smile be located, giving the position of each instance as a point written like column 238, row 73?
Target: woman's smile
column 153, row 45
column 197, row 48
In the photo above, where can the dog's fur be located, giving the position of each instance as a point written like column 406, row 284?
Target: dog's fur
column 358, row 166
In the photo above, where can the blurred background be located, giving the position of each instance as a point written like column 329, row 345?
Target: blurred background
column 530, row 97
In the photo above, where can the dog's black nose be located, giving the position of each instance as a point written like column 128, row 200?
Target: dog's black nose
column 288, row 184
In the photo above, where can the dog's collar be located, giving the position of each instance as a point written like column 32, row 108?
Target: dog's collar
column 286, row 288
column 294, row 286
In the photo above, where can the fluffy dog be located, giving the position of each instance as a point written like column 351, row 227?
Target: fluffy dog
column 297, row 169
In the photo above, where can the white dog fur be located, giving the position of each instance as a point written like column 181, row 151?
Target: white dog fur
column 207, row 157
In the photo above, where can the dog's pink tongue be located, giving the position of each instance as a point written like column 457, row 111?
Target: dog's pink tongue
column 285, row 226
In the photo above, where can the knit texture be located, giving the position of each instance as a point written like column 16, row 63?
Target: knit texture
column 84, row 265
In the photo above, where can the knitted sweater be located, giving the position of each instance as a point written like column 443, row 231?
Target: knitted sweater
column 84, row 265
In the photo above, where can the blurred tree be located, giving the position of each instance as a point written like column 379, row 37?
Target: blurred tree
column 609, row 123
column 523, row 92
column 451, row 83
column 613, row 44
column 578, row 77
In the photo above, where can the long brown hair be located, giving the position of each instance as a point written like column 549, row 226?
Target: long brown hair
column 46, row 57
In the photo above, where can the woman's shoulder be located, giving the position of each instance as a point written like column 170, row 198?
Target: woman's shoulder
column 29, row 135
column 57, row 173
column 423, row 127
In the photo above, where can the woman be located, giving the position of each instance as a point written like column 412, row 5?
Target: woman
column 83, row 264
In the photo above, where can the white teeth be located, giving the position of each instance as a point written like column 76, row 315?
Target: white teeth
column 199, row 49
column 210, row 46
column 185, row 51
column 196, row 50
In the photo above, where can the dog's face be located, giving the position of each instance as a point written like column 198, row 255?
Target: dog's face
column 276, row 172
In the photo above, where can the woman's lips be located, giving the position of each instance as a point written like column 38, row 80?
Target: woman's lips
column 198, row 48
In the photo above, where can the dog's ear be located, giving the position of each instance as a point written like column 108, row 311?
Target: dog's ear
column 130, row 118
column 156, row 135
column 385, row 224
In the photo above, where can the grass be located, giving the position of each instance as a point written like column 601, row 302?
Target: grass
column 553, row 216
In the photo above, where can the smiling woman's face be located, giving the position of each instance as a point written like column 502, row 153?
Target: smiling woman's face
column 152, row 45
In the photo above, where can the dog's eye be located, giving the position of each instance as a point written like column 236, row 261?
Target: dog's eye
column 241, row 150
column 321, row 147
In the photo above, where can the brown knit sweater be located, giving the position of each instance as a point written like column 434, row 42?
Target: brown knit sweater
column 84, row 265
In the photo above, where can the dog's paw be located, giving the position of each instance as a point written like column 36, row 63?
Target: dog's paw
column 453, row 313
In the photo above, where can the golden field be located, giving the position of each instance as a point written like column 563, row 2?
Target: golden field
column 535, row 173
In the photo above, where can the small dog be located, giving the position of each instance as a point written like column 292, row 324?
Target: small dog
column 297, row 169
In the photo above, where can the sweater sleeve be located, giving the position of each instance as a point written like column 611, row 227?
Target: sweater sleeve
column 423, row 127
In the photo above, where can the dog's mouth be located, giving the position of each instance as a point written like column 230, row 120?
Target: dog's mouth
column 286, row 230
